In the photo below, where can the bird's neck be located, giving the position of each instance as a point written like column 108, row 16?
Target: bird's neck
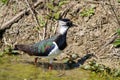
column 62, row 30
column 61, row 38
column 61, row 41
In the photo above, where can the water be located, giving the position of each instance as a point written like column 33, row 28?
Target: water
column 17, row 68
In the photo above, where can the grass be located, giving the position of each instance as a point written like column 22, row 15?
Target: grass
column 4, row 1
column 118, row 1
column 13, row 69
column 87, row 12
column 116, row 43
column 54, row 9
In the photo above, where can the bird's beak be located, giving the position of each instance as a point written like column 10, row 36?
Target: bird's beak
column 74, row 25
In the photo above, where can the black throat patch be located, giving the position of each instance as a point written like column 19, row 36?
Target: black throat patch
column 61, row 41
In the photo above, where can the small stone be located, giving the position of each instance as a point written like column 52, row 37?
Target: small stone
column 86, row 19
column 93, row 6
column 74, row 56
column 82, row 33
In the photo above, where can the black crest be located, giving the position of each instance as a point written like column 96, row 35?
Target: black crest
column 65, row 20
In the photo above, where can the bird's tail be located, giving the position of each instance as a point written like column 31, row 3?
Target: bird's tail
column 24, row 48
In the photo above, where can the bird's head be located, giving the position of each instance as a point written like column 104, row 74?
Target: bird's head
column 65, row 22
column 64, row 25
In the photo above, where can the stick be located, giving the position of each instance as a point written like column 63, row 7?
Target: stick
column 114, row 35
column 16, row 18
column 33, row 12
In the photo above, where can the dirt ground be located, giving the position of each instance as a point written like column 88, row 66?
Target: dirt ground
column 91, row 36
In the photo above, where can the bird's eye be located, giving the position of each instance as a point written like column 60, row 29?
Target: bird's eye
column 69, row 23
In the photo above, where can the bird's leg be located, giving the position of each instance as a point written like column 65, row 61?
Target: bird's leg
column 50, row 65
column 36, row 59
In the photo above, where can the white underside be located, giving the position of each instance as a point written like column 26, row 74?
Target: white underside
column 55, row 52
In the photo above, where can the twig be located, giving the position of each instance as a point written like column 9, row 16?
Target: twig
column 5, row 41
column 46, row 23
column 45, row 29
column 99, row 2
column 107, row 43
column 93, row 2
column 7, row 2
column 33, row 12
column 63, row 15
column 4, row 17
column 114, row 12
column 55, row 30
column 60, row 75
column 114, row 35
column 16, row 18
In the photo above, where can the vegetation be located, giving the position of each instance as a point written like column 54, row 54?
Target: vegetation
column 118, row 1
column 117, row 41
column 41, row 21
column 8, row 50
column 54, row 9
column 4, row 1
column 93, row 66
column 87, row 12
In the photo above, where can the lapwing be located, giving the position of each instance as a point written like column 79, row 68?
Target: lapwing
column 51, row 47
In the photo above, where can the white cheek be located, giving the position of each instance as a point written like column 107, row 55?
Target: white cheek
column 63, row 30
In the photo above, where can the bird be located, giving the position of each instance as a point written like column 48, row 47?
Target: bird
column 50, row 47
